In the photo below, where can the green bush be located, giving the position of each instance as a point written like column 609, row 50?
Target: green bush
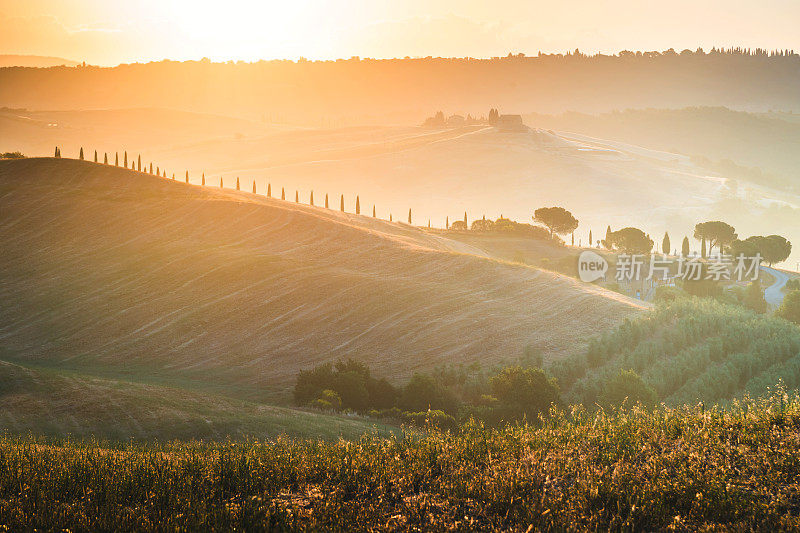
column 627, row 389
column 790, row 308
column 524, row 392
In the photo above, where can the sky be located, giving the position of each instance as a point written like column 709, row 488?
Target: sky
column 109, row 32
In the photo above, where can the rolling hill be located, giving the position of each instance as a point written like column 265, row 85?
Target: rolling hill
column 116, row 274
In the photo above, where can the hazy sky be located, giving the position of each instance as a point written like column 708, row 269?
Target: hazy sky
column 111, row 32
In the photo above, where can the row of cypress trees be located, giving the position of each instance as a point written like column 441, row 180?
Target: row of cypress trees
column 162, row 173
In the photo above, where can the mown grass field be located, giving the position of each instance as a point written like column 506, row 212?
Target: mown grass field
column 678, row 469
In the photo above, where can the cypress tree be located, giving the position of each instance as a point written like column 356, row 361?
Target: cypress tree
column 220, row 182
column 158, row 171
column 151, row 167
column 447, row 222
column 173, row 176
column 81, row 154
column 665, row 244
column 341, row 204
column 125, row 159
column 373, row 210
column 139, row 163
column 55, row 153
column 283, row 194
column 105, row 158
column 164, row 173
column 296, row 196
column 237, row 183
column 429, row 223
column 254, row 186
column 203, row 180
column 465, row 219
column 358, row 206
column 269, row 190
column 590, row 239
column 390, row 217
column 326, row 200
column 608, row 238
column 685, row 247
column 95, row 156
column 409, row 216
column 116, row 159
column 312, row 198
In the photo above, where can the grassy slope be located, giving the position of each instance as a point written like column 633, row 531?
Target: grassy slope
column 58, row 404
column 109, row 271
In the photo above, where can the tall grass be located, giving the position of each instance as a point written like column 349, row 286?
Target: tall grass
column 686, row 468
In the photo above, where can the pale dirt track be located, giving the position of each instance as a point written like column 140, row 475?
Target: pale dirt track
column 104, row 267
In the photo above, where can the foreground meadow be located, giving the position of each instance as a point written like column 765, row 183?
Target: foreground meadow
column 685, row 469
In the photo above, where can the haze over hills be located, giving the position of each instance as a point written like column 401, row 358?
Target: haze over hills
column 627, row 177
column 10, row 60
column 111, row 272
column 358, row 92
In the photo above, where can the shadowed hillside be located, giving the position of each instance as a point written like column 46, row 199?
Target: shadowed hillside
column 106, row 270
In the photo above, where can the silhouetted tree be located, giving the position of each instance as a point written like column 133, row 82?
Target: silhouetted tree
column 139, row 163
column 341, row 203
column 55, row 153
column 665, row 247
column 105, row 158
column 312, row 198
column 631, row 241
column 358, row 206
column 151, row 167
column 254, row 186
column 717, row 233
column 409, row 216
column 283, row 194
column 125, row 159
column 390, row 217
column 81, row 154
column 95, row 156
column 237, row 183
column 685, row 247
column 269, row 190
column 557, row 219
column 465, row 220
column 203, row 180
column 116, row 159
column 296, row 196
column 373, row 210
column 220, row 182
column 590, row 239
column 326, row 200
column 608, row 243
column 158, row 172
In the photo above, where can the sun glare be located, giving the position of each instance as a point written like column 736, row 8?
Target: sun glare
column 246, row 30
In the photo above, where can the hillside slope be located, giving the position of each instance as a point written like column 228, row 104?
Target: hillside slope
column 107, row 270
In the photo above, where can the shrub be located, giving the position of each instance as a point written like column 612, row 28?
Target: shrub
column 790, row 308
column 524, row 392
column 12, row 155
column 432, row 418
column 422, row 393
column 627, row 389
